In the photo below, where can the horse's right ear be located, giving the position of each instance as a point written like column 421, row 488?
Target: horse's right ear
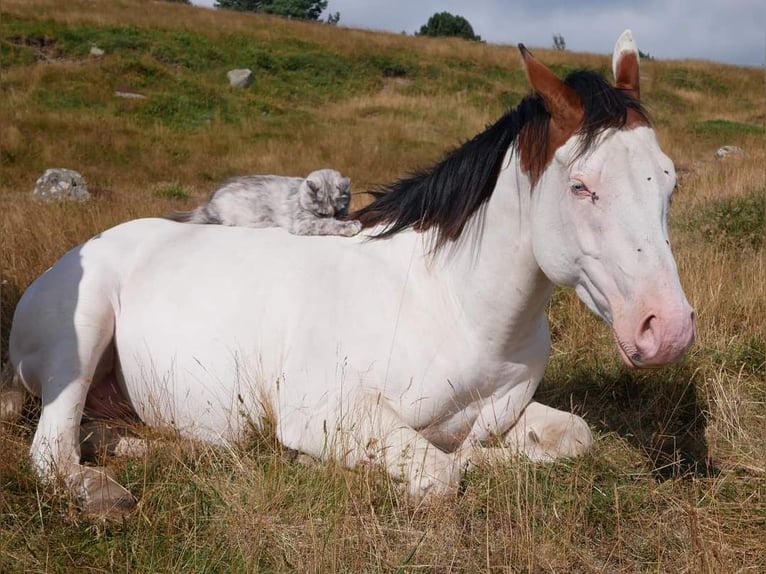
column 561, row 101
column 625, row 64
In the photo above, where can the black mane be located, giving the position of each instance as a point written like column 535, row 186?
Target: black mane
column 446, row 195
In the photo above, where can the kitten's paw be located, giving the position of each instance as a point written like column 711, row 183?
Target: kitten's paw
column 352, row 228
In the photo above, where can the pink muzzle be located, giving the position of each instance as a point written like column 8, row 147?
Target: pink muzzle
column 661, row 337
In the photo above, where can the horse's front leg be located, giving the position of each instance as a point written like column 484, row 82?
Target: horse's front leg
column 408, row 455
column 499, row 412
column 376, row 433
column 524, row 426
column 541, row 433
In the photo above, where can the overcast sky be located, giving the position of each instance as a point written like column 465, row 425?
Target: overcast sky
column 731, row 31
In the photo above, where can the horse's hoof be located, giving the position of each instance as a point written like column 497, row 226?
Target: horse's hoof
column 102, row 496
column 11, row 405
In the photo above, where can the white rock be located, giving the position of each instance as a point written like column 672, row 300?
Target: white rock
column 61, row 183
column 729, row 151
column 240, row 78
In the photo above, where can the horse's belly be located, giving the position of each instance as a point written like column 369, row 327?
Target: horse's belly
column 196, row 393
column 203, row 373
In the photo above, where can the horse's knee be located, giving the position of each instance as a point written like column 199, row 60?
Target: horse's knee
column 430, row 474
column 378, row 434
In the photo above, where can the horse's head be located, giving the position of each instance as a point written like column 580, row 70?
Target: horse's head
column 600, row 209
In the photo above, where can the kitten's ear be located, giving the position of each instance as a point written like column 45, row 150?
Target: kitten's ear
column 313, row 186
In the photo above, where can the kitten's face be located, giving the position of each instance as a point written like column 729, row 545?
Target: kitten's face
column 327, row 194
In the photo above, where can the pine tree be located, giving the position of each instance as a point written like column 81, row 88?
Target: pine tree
column 446, row 24
column 303, row 9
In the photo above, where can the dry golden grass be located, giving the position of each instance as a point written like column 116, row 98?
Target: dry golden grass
column 677, row 480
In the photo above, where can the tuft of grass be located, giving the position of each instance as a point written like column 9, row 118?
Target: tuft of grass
column 732, row 223
column 172, row 190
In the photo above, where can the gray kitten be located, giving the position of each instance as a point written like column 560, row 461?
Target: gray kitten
column 302, row 206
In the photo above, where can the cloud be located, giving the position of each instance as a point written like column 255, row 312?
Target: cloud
column 731, row 32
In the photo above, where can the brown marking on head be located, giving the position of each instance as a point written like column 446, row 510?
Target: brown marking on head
column 636, row 119
column 562, row 104
column 626, row 74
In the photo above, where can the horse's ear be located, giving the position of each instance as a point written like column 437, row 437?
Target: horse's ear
column 345, row 183
column 561, row 101
column 625, row 64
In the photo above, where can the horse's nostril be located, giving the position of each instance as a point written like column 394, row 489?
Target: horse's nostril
column 648, row 337
column 647, row 325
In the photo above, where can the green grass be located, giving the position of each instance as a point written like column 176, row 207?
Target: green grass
column 731, row 223
column 694, row 80
column 726, row 128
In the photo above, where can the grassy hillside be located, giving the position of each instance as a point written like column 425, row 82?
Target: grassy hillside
column 677, row 481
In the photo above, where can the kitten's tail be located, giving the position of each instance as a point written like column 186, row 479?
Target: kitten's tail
column 202, row 214
column 181, row 216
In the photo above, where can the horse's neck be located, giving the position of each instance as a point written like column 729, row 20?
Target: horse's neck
column 493, row 272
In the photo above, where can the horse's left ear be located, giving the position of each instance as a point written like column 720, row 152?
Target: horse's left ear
column 625, row 64
column 561, row 101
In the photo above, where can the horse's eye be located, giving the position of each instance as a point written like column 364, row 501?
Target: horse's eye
column 579, row 188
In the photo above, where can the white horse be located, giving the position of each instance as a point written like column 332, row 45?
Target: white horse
column 412, row 344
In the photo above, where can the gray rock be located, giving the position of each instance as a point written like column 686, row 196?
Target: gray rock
column 96, row 51
column 729, row 151
column 240, row 78
column 61, row 184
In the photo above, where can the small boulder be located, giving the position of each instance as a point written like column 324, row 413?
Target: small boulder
column 96, row 51
column 729, row 151
column 61, row 184
column 240, row 78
